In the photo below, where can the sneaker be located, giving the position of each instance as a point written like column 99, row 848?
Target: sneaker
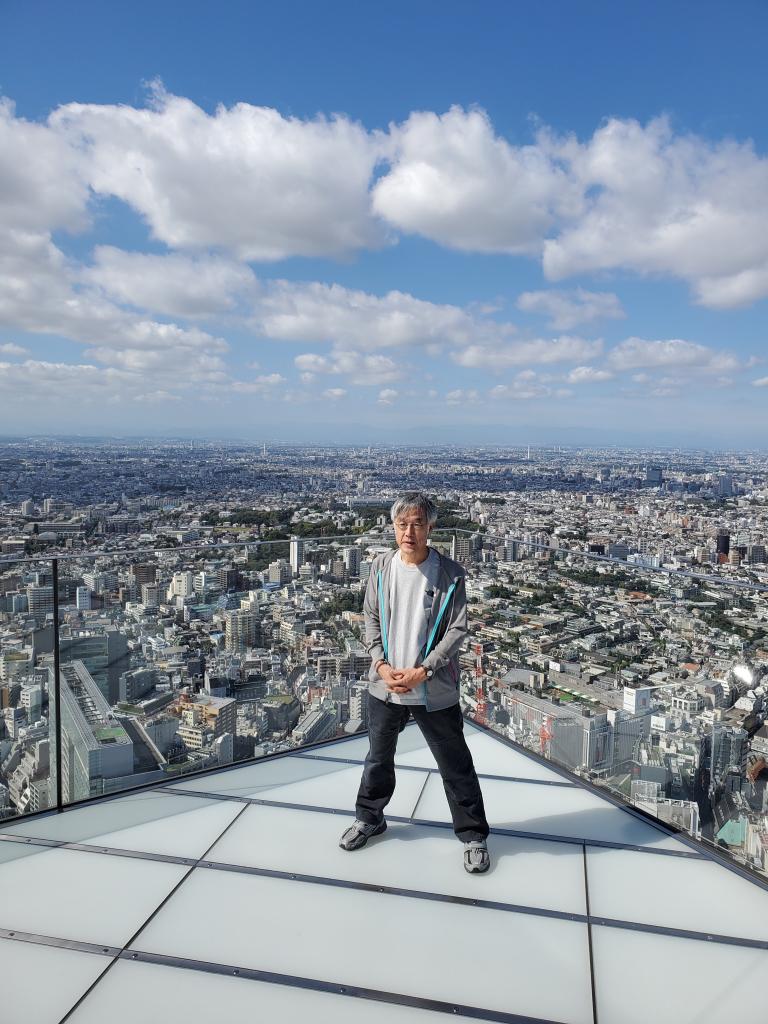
column 476, row 858
column 358, row 834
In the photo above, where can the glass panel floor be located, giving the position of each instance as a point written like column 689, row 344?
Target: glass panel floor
column 228, row 895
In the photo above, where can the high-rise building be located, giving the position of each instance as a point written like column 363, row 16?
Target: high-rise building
column 358, row 704
column 242, row 629
column 227, row 578
column 143, row 574
column 296, row 555
column 103, row 652
column 280, row 572
column 351, row 557
column 723, row 542
column 95, row 746
column 461, row 548
column 40, row 600
column 182, row 585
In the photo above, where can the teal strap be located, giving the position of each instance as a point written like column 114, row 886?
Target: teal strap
column 440, row 614
column 383, row 618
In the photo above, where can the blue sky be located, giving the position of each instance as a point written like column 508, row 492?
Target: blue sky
column 503, row 222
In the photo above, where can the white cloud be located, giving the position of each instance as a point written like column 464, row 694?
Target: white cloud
column 265, row 385
column 9, row 349
column 568, row 309
column 455, row 181
column 387, row 396
column 637, row 353
column 42, row 179
column 666, row 204
column 373, row 369
column 761, row 382
column 245, row 179
column 519, row 390
column 171, row 285
column 556, row 350
column 462, row 396
column 67, row 383
column 359, row 320
column 334, row 394
column 588, row 375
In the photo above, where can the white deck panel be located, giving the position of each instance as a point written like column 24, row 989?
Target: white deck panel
column 83, row 896
column 550, row 810
column 198, row 998
column 399, row 944
column 176, row 826
column 525, row 872
column 40, row 984
column 641, row 978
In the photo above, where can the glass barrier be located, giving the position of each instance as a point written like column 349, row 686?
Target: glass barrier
column 27, row 733
column 180, row 659
column 650, row 684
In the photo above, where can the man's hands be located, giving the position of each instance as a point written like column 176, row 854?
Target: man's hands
column 401, row 680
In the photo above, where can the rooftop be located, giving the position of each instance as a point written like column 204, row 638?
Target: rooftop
column 228, row 892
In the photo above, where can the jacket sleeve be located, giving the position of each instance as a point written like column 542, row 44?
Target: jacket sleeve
column 373, row 643
column 455, row 633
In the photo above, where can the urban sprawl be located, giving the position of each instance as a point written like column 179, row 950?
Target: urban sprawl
column 210, row 610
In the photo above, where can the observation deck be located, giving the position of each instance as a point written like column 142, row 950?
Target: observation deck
column 225, row 896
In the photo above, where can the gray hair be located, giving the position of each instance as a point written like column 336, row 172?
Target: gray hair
column 414, row 500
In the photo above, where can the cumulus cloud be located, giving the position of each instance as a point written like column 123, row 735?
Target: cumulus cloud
column 43, row 183
column 40, row 380
column 387, row 396
column 588, row 375
column 452, row 179
column 363, row 369
column 334, row 394
column 661, row 203
column 568, row 309
column 9, row 349
column 172, row 285
column 762, row 382
column 637, row 353
column 462, row 396
column 355, row 319
column 266, row 384
column 555, row 350
column 245, row 179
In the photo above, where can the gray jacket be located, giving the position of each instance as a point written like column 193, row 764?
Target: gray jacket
column 446, row 629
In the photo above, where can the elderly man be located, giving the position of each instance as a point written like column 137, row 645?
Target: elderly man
column 415, row 626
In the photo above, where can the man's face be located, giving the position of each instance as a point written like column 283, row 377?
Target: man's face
column 411, row 530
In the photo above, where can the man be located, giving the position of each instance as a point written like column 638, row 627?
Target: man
column 415, row 625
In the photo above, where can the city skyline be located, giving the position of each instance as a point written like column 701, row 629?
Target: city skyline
column 269, row 244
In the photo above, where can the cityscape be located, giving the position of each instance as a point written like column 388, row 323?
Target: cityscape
column 266, row 268
column 210, row 597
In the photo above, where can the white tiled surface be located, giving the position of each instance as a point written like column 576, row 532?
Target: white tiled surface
column 528, row 964
column 339, row 789
column 550, row 810
column 95, row 899
column 176, row 826
column 695, row 895
column 641, row 978
column 379, row 941
column 150, row 989
column 525, row 872
column 41, row 984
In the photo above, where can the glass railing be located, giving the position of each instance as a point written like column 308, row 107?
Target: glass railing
column 177, row 659
column 649, row 683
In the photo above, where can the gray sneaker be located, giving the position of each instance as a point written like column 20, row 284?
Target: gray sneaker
column 358, row 834
column 476, row 857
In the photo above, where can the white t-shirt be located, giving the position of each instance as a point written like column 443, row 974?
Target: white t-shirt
column 411, row 590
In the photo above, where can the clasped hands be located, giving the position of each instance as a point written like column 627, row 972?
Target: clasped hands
column 401, row 680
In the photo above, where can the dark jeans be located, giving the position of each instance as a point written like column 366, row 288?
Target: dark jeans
column 444, row 733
